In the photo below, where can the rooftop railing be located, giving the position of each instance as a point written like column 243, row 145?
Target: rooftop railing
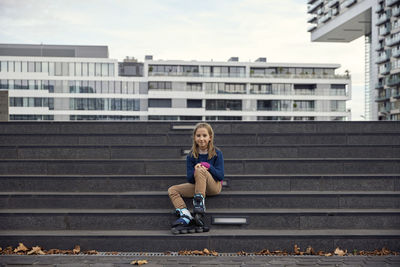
column 252, row 75
column 301, row 76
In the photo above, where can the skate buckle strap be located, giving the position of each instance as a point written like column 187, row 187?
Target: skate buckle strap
column 181, row 221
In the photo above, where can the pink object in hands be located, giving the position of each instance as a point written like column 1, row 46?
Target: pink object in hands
column 205, row 164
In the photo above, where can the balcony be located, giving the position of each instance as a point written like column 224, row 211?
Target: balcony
column 379, row 85
column 396, row 11
column 393, row 81
column 383, row 70
column 325, row 17
column 392, row 2
column 382, row 98
column 379, row 9
column 396, row 52
column 314, row 6
column 385, row 31
column 382, row 19
column 383, row 58
column 392, row 41
column 311, row 28
column 379, row 47
column 396, row 95
column 332, row 3
column 349, row 3
column 310, row 1
column 312, row 19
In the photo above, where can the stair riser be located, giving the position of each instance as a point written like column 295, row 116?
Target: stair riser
column 102, row 152
column 200, row 241
column 219, row 127
column 161, row 221
column 221, row 201
column 186, row 139
column 118, row 184
column 149, row 167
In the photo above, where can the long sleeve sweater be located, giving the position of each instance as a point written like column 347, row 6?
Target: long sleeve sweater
column 216, row 166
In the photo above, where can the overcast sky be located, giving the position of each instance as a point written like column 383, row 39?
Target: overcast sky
column 184, row 29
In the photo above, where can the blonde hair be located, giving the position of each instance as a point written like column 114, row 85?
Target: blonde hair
column 211, row 147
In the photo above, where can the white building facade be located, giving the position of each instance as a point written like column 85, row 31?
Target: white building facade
column 86, row 85
column 379, row 22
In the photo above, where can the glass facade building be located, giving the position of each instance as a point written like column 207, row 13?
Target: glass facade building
column 379, row 22
column 90, row 86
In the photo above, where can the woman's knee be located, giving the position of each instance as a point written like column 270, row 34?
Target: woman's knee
column 172, row 190
column 200, row 174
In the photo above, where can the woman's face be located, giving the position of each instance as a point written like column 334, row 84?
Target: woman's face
column 202, row 138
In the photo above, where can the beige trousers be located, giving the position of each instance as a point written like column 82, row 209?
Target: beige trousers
column 204, row 184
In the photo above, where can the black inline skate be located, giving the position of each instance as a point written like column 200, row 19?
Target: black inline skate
column 184, row 224
column 199, row 210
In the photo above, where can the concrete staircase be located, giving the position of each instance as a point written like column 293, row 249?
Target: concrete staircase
column 103, row 185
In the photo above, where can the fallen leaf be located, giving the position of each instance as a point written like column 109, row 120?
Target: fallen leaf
column 91, row 252
column 385, row 251
column 21, row 247
column 36, row 250
column 214, row 253
column 206, row 251
column 296, row 249
column 328, row 254
column 53, row 251
column 340, row 252
column 77, row 249
column 310, row 251
column 139, row 262
column 321, row 253
column 8, row 250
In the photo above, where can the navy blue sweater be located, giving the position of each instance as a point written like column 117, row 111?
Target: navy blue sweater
column 216, row 166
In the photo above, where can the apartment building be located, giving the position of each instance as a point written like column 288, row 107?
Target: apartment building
column 48, row 82
column 378, row 21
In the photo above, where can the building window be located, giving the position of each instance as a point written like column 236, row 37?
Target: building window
column 160, row 85
column 162, row 118
column 193, row 87
column 216, row 104
column 159, row 103
column 194, row 103
column 223, row 118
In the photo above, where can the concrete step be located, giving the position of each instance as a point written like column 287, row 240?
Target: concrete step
column 225, row 200
column 162, row 139
column 231, row 127
column 176, row 167
column 219, row 240
column 178, row 152
column 123, row 183
column 141, row 219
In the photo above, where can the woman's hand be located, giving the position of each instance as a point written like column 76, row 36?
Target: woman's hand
column 200, row 168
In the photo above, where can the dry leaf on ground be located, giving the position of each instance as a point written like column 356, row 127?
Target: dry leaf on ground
column 296, row 249
column 310, row 251
column 91, row 252
column 21, row 247
column 340, row 252
column 36, row 250
column 139, row 262
column 77, row 249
